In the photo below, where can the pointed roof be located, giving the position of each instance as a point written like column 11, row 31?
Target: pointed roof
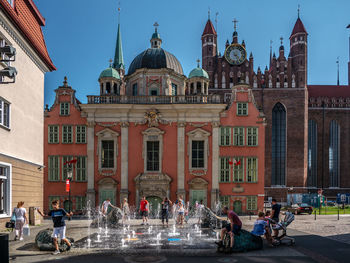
column 298, row 28
column 118, row 56
column 209, row 29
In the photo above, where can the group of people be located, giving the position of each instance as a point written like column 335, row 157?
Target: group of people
column 262, row 226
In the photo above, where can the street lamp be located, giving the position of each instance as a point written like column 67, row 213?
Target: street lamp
column 69, row 178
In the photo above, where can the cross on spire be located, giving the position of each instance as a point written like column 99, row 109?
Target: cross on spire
column 235, row 21
column 281, row 38
column 198, row 62
column 208, row 13
column 156, row 25
column 298, row 11
column 110, row 62
column 118, row 12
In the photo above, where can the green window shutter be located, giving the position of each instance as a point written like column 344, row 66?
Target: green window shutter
column 238, row 170
column 224, row 170
column 252, row 170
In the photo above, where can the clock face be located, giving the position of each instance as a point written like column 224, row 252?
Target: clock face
column 235, row 54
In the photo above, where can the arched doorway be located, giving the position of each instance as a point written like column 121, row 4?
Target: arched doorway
column 68, row 204
column 237, row 207
column 107, row 189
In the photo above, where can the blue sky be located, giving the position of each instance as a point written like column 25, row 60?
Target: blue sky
column 81, row 34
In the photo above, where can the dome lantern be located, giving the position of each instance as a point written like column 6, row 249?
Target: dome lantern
column 156, row 41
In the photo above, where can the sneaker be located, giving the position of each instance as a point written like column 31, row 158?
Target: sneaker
column 68, row 247
column 142, row 224
column 21, row 238
column 56, row 252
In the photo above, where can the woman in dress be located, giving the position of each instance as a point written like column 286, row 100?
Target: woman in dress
column 21, row 219
column 126, row 210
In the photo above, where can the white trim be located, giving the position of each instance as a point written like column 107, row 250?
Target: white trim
column 107, row 134
column 9, row 202
column 158, row 137
column 198, row 135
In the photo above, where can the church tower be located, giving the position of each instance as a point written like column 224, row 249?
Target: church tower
column 298, row 53
column 209, row 48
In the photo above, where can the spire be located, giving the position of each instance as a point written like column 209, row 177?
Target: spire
column 198, row 61
column 235, row 34
column 118, row 56
column 209, row 28
column 270, row 52
column 337, row 70
column 156, row 41
column 298, row 27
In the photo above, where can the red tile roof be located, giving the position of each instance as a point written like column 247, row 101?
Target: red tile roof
column 26, row 16
column 298, row 27
column 330, row 91
column 209, row 28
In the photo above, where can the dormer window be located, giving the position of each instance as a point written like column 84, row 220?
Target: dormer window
column 64, row 108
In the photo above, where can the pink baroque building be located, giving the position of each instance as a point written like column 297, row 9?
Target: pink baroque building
column 155, row 132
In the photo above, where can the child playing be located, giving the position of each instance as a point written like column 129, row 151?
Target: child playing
column 181, row 212
column 259, row 225
column 59, row 226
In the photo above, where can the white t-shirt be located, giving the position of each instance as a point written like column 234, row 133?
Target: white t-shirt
column 105, row 205
column 20, row 212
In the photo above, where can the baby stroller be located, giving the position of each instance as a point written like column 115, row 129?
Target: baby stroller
column 282, row 225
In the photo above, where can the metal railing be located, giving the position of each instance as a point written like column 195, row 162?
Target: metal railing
column 181, row 99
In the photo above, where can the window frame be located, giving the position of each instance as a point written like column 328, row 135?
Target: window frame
column 198, row 135
column 51, row 169
column 225, row 133
column 254, row 170
column 252, row 200
column 64, row 111
column 252, row 136
column 82, row 202
column 224, row 170
column 8, row 205
column 225, row 202
column 152, row 161
column 68, row 134
column 238, row 169
column 54, row 134
column 6, row 125
column 80, row 170
column 105, row 135
column 242, row 111
column 110, row 151
column 80, row 134
column 238, row 136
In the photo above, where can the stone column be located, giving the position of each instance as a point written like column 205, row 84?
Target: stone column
column 215, row 164
column 181, row 159
column 202, row 87
column 90, row 194
column 124, row 190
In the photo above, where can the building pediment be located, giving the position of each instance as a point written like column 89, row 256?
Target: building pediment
column 198, row 133
column 107, row 133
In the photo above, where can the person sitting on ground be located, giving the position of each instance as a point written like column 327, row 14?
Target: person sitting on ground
column 105, row 205
column 59, row 226
column 232, row 229
column 276, row 208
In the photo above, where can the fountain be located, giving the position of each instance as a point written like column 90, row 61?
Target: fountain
column 88, row 206
column 133, row 234
column 124, row 230
column 217, row 235
column 150, row 230
column 123, row 242
column 188, row 237
column 129, row 238
column 106, row 231
column 159, row 237
column 88, row 243
column 98, row 240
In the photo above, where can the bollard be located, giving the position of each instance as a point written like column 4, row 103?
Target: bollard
column 315, row 213
column 4, row 248
column 338, row 212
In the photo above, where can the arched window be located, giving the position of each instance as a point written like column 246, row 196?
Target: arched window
column 223, row 81
column 116, row 89
column 334, row 151
column 108, row 88
column 312, row 155
column 278, row 176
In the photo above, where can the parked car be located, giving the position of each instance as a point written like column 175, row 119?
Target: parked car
column 330, row 203
column 300, row 208
column 267, row 204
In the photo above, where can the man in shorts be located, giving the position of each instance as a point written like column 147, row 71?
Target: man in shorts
column 232, row 229
column 144, row 210
column 59, row 226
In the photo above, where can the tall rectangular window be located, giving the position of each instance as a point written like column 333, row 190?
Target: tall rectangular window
column 53, row 134
column 80, row 169
column 64, row 108
column 252, row 170
column 4, row 113
column 312, row 154
column 65, row 167
column 197, row 154
column 107, row 154
column 334, row 154
column 134, row 89
column 67, row 134
column 225, row 201
column 225, row 136
column 152, row 155
column 80, row 202
column 252, row 203
column 5, row 190
column 242, row 108
column 54, row 168
column 238, row 170
column 80, row 133
column 173, row 89
column 238, row 136
column 225, row 170
column 252, row 136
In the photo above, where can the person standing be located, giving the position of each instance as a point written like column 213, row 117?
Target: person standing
column 126, row 210
column 144, row 210
column 165, row 210
column 59, row 226
column 200, row 208
column 275, row 215
column 21, row 218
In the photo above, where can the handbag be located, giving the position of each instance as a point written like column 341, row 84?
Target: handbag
column 26, row 230
column 10, row 224
column 13, row 217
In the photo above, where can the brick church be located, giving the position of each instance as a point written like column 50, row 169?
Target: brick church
column 222, row 133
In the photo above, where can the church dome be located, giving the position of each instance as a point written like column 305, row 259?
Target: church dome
column 155, row 58
column 110, row 73
column 198, row 72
